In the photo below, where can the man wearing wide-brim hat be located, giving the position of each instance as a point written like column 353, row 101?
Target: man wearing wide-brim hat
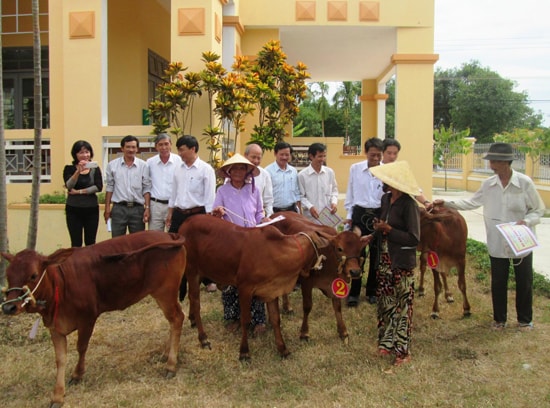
column 399, row 228
column 506, row 197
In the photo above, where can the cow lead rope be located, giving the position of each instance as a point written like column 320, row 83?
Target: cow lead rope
column 320, row 258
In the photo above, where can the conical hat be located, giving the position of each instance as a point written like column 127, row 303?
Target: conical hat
column 237, row 159
column 397, row 175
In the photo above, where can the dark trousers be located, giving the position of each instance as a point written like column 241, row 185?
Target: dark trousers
column 500, row 271
column 82, row 219
column 177, row 219
column 364, row 218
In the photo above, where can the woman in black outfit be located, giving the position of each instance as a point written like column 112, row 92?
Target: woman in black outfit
column 82, row 182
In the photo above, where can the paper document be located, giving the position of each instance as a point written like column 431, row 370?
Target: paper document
column 326, row 218
column 520, row 238
column 276, row 219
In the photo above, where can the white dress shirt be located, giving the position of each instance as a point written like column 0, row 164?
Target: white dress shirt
column 317, row 190
column 162, row 175
column 263, row 183
column 518, row 201
column 364, row 189
column 194, row 186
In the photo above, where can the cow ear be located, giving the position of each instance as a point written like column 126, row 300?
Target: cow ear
column 321, row 239
column 59, row 256
column 357, row 231
column 8, row 257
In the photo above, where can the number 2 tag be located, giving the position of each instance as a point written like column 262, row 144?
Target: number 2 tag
column 340, row 288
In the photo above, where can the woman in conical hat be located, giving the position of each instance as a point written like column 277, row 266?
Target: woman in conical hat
column 399, row 227
column 237, row 201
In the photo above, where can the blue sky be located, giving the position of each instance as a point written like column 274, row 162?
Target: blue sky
column 510, row 37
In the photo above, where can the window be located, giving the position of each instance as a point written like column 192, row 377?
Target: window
column 17, row 16
column 18, row 82
column 156, row 65
column 19, row 157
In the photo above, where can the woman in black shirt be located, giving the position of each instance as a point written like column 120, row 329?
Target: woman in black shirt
column 83, row 180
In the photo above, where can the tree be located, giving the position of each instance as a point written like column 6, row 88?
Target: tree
column 390, row 108
column 476, row 98
column 3, row 192
column 323, row 105
column 345, row 99
column 447, row 143
column 532, row 142
column 36, row 170
column 278, row 91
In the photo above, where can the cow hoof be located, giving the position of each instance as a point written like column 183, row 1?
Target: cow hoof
column 421, row 293
column 193, row 324
column 345, row 340
column 450, row 299
column 467, row 314
column 304, row 337
column 56, row 404
column 244, row 358
column 169, row 374
column 288, row 311
column 74, row 381
column 285, row 354
column 206, row 344
column 434, row 316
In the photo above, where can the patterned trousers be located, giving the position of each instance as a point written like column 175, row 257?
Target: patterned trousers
column 395, row 294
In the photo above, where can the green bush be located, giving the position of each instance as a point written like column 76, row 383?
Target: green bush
column 59, row 197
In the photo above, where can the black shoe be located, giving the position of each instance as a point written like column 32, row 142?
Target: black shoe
column 353, row 301
column 372, row 300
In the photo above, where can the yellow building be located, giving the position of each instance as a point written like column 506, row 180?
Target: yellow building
column 101, row 60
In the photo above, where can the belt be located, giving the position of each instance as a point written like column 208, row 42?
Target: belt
column 366, row 209
column 194, row 210
column 129, row 204
column 290, row 208
column 156, row 200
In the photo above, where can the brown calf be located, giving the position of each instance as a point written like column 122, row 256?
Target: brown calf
column 260, row 262
column 72, row 287
column 343, row 260
column 444, row 231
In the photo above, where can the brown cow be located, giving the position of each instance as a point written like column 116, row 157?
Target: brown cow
column 444, row 231
column 260, row 262
column 72, row 287
column 344, row 262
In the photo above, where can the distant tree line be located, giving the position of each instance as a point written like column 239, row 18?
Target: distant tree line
column 471, row 97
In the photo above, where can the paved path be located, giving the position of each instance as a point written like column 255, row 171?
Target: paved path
column 476, row 230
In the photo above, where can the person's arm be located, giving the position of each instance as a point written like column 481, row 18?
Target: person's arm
column 107, row 212
column 267, row 195
column 333, row 193
column 304, row 202
column 535, row 206
column 348, row 203
column 209, row 189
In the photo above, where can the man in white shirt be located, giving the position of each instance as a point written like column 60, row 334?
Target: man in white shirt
column 253, row 152
column 161, row 169
column 193, row 193
column 284, row 177
column 506, row 197
column 317, row 182
column 128, row 187
column 363, row 200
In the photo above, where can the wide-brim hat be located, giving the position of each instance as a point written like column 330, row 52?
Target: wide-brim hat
column 224, row 170
column 500, row 152
column 397, row 175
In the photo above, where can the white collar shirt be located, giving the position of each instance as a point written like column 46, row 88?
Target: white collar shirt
column 263, row 183
column 518, row 201
column 364, row 189
column 194, row 186
column 317, row 189
column 162, row 175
